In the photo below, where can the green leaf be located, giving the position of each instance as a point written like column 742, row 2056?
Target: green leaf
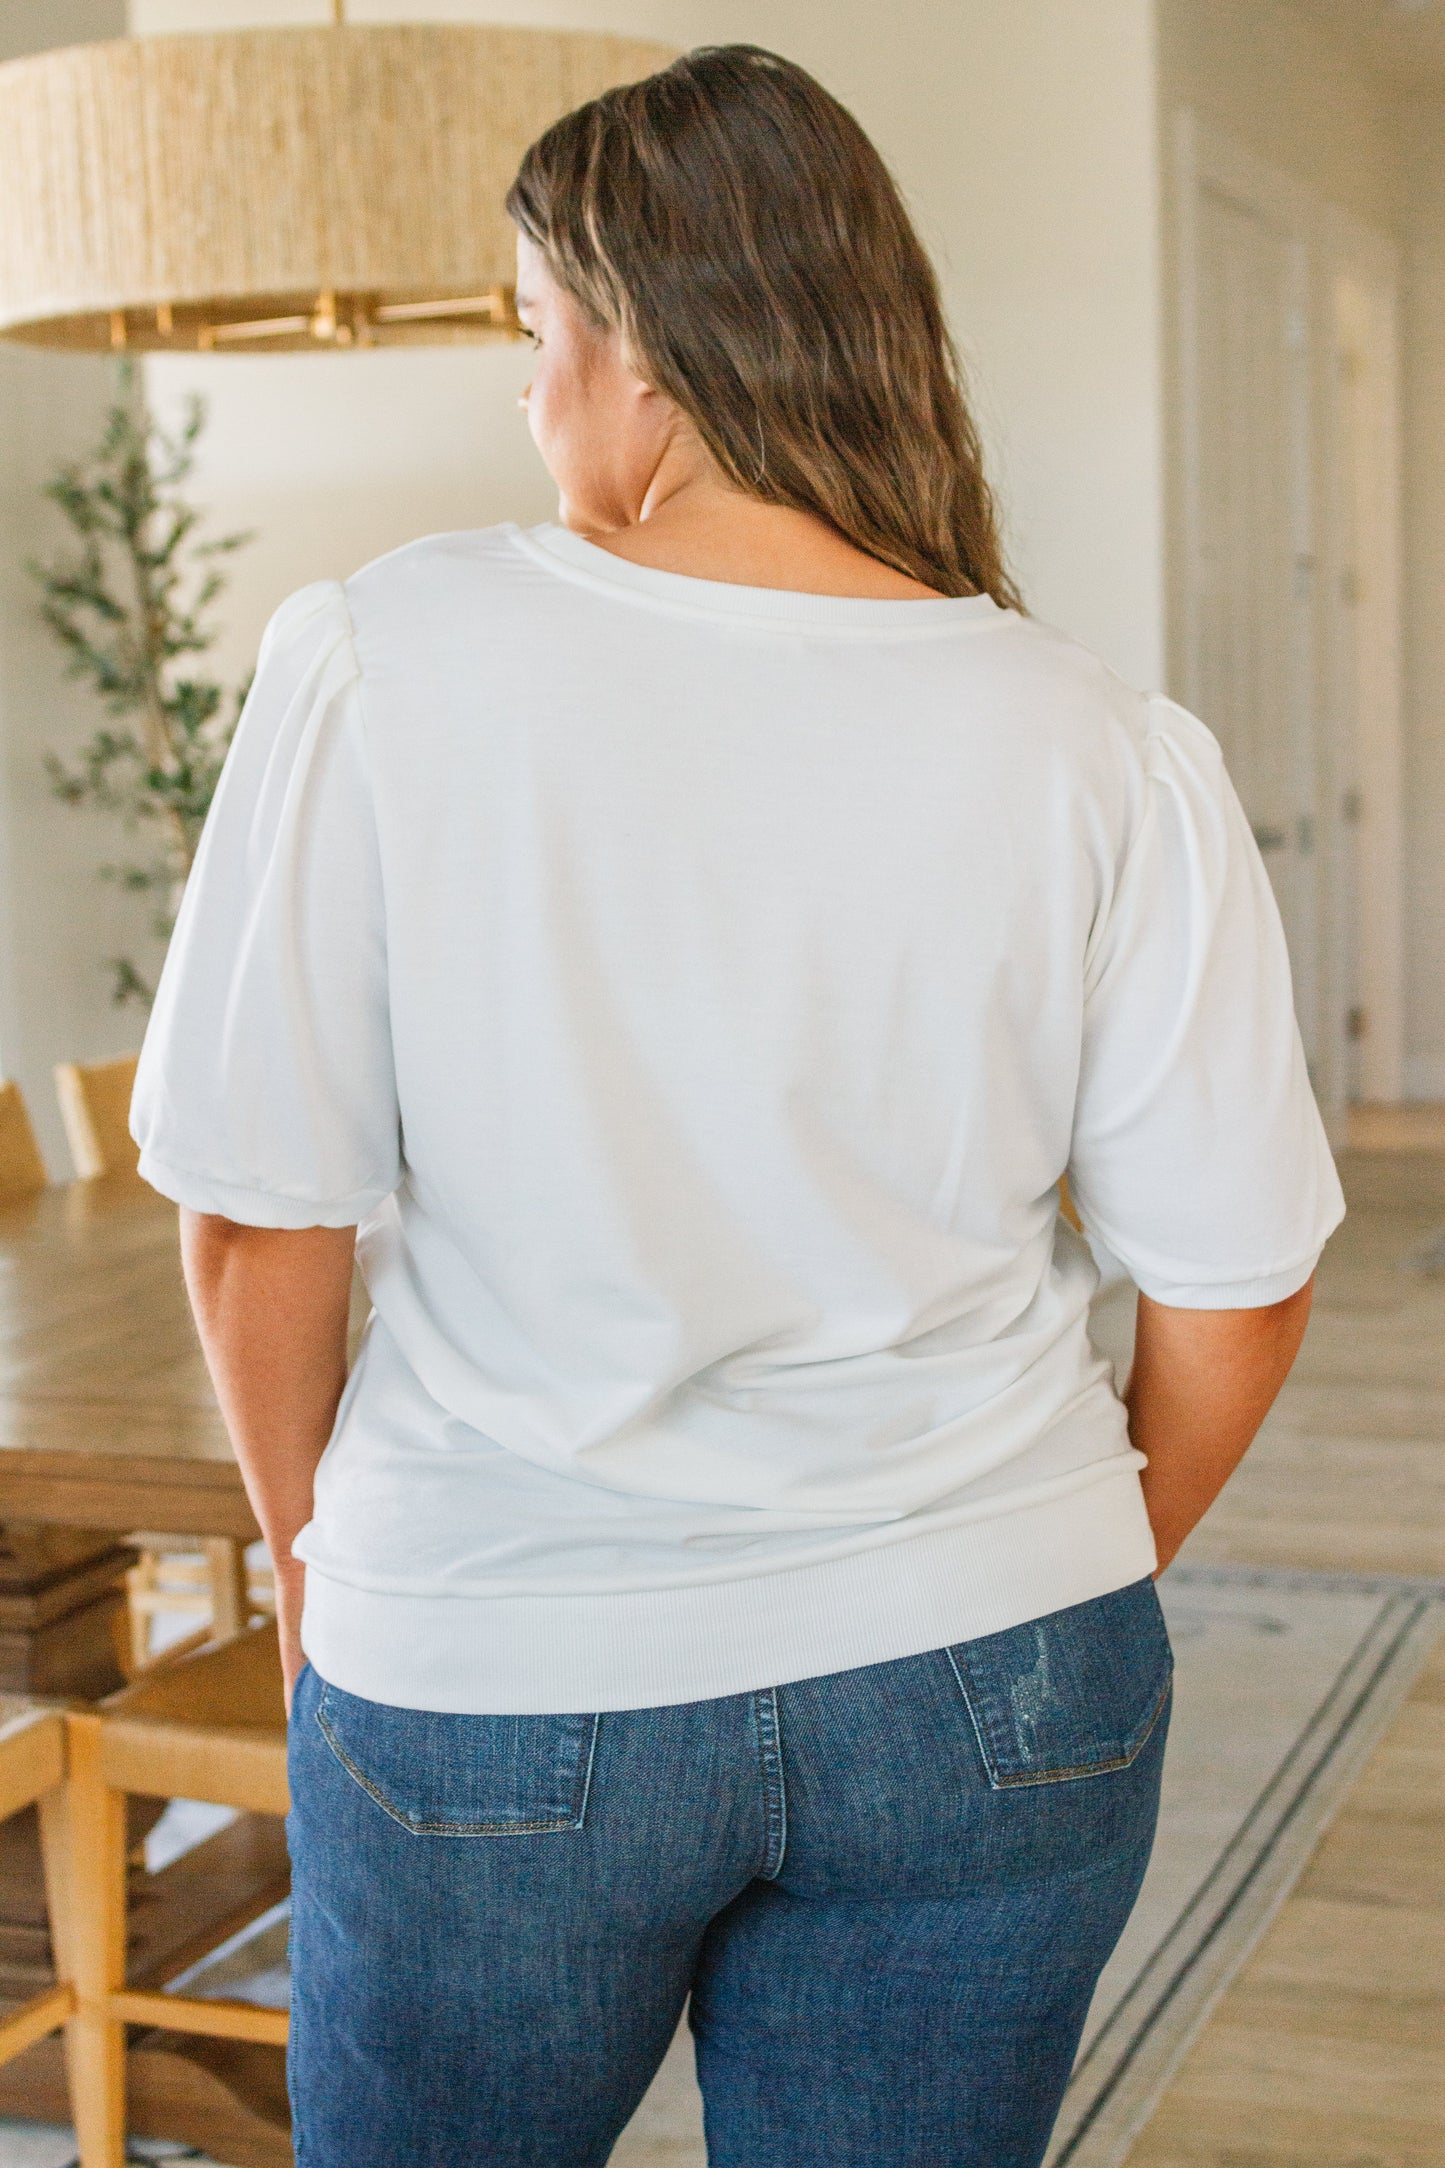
column 135, row 593
column 127, row 985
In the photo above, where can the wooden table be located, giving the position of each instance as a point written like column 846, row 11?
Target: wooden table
column 107, row 1419
column 108, row 1425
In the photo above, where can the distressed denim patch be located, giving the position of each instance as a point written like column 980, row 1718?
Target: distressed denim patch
column 1074, row 1694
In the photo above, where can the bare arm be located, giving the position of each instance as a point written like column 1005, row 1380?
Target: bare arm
column 271, row 1308
column 1202, row 1383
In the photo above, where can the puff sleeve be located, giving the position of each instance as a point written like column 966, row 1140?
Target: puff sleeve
column 266, row 1091
column 1199, row 1157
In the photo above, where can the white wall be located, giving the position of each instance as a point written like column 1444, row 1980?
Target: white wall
column 1423, row 139
column 58, row 922
column 1282, row 83
column 1024, row 137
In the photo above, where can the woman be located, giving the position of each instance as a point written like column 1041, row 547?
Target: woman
column 690, row 942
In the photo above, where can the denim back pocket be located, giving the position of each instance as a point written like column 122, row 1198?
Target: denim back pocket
column 463, row 1776
column 1072, row 1695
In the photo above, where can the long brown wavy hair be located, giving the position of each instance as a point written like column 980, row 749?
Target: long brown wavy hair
column 733, row 222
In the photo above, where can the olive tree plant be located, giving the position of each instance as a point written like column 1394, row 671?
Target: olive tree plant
column 130, row 602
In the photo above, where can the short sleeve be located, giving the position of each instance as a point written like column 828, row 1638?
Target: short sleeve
column 1199, row 1157
column 266, row 1091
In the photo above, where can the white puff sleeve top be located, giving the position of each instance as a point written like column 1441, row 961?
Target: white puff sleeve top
column 695, row 994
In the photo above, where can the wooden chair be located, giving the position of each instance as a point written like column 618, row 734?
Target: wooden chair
column 32, row 1773
column 22, row 1170
column 95, row 1108
column 209, row 1575
column 208, row 1726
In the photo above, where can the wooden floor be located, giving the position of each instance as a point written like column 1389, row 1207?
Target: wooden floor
column 1415, row 1126
column 1329, row 2049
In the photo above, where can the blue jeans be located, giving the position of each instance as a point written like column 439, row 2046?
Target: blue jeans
column 888, row 1892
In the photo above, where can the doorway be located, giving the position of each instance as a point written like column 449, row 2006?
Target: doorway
column 1285, row 584
column 1362, row 576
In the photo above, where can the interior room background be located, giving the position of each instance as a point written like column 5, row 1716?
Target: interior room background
column 1040, row 145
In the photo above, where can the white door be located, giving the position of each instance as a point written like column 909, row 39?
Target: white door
column 1252, row 565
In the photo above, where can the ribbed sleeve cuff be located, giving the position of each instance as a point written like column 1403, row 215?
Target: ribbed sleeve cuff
column 1251, row 1294
column 255, row 1207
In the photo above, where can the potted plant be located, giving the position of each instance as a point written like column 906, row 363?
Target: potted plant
column 130, row 602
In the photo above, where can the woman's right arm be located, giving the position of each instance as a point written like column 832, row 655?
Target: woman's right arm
column 1202, row 1383
column 271, row 1307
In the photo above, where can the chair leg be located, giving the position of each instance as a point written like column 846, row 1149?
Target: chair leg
column 230, row 1603
column 84, row 1833
column 140, row 1583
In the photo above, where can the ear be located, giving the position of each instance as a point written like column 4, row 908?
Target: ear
column 637, row 383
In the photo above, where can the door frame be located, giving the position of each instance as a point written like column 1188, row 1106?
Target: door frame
column 1205, row 157
column 1334, row 757
column 1206, row 160
column 1364, row 654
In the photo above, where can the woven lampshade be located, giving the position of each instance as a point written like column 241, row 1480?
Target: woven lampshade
column 267, row 189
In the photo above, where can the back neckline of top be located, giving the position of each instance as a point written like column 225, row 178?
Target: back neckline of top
column 678, row 593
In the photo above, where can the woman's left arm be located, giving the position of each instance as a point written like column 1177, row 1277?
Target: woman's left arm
column 271, row 1306
column 1202, row 1383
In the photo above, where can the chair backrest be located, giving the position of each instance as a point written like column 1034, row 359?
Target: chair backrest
column 32, row 1751
column 22, row 1170
column 233, row 1685
column 210, row 1725
column 95, row 1107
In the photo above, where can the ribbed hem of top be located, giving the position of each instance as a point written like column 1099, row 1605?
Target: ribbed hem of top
column 535, row 1655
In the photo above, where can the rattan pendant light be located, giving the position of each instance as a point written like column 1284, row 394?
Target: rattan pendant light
column 266, row 190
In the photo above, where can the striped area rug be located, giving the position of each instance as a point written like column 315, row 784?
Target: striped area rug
column 1285, row 1682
